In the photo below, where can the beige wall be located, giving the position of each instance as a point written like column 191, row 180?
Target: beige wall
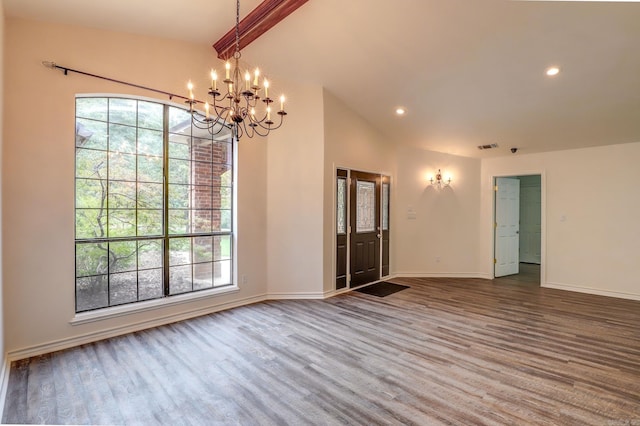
column 351, row 143
column 436, row 229
column 294, row 197
column 2, row 346
column 591, row 207
column 38, row 164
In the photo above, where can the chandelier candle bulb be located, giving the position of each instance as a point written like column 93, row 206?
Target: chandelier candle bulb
column 266, row 88
column 190, row 87
column 268, row 113
column 227, row 66
column 282, row 103
column 256, row 75
column 206, row 110
column 247, row 78
column 214, row 80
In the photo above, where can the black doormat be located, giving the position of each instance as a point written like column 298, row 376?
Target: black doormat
column 382, row 289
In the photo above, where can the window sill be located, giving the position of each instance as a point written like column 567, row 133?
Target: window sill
column 135, row 308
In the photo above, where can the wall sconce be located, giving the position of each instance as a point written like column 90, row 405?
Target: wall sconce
column 439, row 182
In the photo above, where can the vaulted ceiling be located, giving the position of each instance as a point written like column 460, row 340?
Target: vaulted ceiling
column 469, row 72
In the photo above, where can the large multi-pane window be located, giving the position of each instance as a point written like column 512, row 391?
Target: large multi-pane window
column 153, row 203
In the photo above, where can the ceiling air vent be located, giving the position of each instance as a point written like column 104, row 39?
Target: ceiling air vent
column 490, row 146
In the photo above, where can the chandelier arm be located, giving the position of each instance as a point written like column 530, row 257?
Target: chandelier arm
column 246, row 132
column 270, row 127
column 261, row 134
column 281, row 120
column 254, row 131
column 239, row 131
column 208, row 124
column 200, row 125
column 219, row 110
column 278, row 126
column 195, row 119
column 251, row 102
column 212, row 133
column 253, row 118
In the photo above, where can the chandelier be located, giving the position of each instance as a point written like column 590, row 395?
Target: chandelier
column 238, row 100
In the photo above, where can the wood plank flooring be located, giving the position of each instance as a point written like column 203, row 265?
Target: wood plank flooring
column 445, row 351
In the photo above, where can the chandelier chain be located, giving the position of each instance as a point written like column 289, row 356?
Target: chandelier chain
column 237, row 27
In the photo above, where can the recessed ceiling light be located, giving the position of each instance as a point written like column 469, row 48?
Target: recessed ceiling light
column 401, row 111
column 553, row 71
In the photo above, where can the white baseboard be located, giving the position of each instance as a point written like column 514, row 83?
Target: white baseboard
column 5, row 369
column 296, row 296
column 61, row 344
column 579, row 289
column 328, row 294
column 480, row 275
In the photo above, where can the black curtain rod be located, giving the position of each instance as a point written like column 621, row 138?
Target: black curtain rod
column 53, row 65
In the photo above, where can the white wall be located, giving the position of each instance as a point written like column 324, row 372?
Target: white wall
column 38, row 175
column 294, row 197
column 590, row 222
column 351, row 143
column 436, row 230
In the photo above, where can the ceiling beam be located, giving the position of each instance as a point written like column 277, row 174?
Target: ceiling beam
column 257, row 22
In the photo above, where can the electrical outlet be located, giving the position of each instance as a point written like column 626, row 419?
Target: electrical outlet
column 245, row 279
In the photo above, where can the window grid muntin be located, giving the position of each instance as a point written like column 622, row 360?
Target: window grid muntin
column 227, row 166
column 110, row 272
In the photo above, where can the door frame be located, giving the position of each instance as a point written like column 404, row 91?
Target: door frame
column 543, row 220
column 334, row 242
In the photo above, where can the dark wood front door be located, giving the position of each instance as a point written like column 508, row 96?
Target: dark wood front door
column 365, row 228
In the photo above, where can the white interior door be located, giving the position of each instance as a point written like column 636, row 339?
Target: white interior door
column 507, row 238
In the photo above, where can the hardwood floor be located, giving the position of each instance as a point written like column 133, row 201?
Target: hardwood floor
column 445, row 351
column 529, row 273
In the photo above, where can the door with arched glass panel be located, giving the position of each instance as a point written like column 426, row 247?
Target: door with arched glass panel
column 365, row 228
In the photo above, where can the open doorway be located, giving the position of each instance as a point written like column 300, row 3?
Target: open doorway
column 518, row 228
